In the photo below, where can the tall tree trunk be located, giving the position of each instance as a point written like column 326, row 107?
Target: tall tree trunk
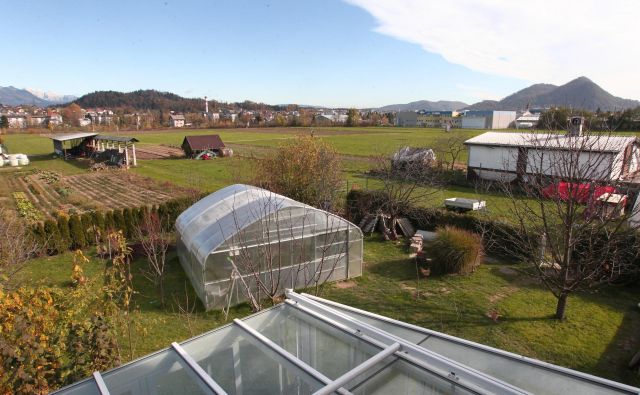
column 561, row 307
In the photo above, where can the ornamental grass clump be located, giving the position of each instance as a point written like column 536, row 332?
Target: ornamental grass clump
column 455, row 251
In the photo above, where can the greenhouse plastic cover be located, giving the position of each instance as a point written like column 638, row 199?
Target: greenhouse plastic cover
column 207, row 224
column 312, row 345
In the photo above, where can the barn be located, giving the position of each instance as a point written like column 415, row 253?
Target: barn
column 194, row 145
column 511, row 156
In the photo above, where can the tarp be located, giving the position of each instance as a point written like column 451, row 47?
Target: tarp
column 582, row 193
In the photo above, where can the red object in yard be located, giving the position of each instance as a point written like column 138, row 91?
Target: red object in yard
column 582, row 193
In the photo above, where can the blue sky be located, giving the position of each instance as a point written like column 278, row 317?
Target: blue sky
column 327, row 52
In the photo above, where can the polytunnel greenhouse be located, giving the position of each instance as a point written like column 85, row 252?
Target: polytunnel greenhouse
column 245, row 242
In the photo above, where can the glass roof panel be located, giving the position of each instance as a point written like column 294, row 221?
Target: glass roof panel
column 401, row 377
column 160, row 373
column 516, row 371
column 87, row 387
column 328, row 350
column 241, row 364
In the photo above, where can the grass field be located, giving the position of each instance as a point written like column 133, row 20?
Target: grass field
column 598, row 337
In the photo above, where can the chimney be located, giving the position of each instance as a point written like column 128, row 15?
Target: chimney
column 575, row 126
column 206, row 105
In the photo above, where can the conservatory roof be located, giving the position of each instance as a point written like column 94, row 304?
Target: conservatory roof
column 211, row 221
column 312, row 345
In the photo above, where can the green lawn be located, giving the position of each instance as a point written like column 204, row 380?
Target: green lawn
column 598, row 337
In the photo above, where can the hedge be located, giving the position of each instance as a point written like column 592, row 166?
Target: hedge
column 77, row 231
column 500, row 239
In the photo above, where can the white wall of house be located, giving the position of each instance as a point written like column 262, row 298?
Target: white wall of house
column 495, row 162
column 591, row 165
column 493, row 157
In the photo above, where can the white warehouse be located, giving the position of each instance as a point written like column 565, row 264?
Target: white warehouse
column 488, row 119
column 511, row 156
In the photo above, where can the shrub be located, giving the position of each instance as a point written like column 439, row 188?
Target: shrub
column 118, row 220
column 130, row 222
column 77, row 232
column 109, row 222
column 97, row 220
column 455, row 251
column 54, row 243
column 63, row 227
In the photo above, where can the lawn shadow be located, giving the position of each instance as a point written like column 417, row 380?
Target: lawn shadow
column 626, row 342
column 395, row 269
column 81, row 163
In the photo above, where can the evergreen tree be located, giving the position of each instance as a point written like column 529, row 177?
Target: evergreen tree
column 109, row 221
column 54, row 242
column 118, row 221
column 77, row 232
column 39, row 234
column 129, row 222
column 63, row 227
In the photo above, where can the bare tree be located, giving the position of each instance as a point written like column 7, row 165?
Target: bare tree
column 449, row 148
column 297, row 247
column 405, row 183
column 154, row 239
column 571, row 207
column 17, row 244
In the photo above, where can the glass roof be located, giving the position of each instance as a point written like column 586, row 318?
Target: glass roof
column 309, row 345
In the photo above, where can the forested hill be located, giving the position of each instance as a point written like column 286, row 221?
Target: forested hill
column 155, row 100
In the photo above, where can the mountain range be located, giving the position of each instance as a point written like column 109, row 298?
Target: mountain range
column 427, row 105
column 12, row 96
column 581, row 93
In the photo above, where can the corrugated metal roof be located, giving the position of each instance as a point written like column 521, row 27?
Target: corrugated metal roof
column 71, row 136
column 601, row 143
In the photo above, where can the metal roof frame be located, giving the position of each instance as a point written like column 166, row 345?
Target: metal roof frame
column 389, row 345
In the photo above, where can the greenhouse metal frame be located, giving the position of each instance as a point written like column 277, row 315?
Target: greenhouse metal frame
column 309, row 345
column 243, row 241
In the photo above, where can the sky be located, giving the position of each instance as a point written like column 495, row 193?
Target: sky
column 341, row 53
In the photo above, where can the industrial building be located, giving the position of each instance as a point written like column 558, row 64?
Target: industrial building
column 439, row 119
column 488, row 119
column 241, row 232
column 407, row 119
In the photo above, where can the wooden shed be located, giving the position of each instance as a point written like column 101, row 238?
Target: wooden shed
column 193, row 145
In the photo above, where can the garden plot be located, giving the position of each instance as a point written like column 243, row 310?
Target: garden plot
column 158, row 152
column 50, row 193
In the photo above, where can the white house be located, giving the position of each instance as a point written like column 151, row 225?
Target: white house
column 527, row 120
column 176, row 120
column 511, row 156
